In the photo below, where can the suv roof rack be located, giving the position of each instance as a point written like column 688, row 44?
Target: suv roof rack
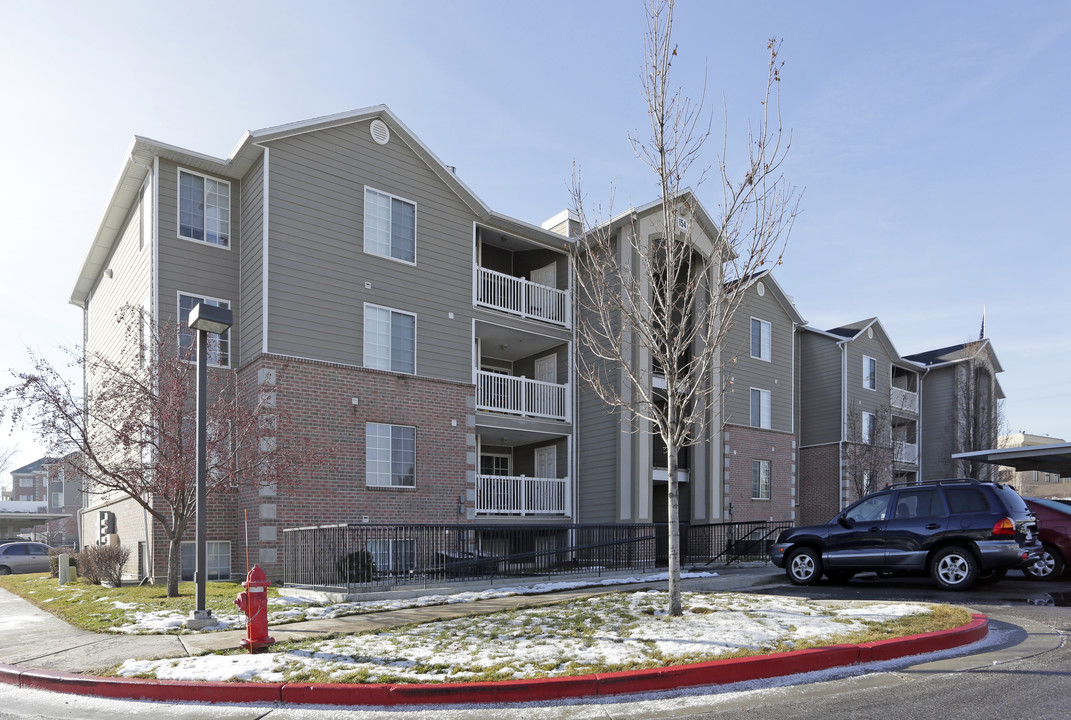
column 945, row 481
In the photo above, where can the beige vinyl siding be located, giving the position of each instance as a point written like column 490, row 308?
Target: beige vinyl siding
column 197, row 268
column 820, row 389
column 861, row 399
column 249, row 340
column 130, row 283
column 318, row 268
column 748, row 372
column 937, row 427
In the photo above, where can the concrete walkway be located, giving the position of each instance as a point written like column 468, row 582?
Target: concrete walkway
column 33, row 638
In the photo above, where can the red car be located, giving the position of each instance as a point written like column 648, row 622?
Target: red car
column 1054, row 521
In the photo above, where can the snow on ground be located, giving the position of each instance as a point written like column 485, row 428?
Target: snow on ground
column 625, row 630
column 296, row 608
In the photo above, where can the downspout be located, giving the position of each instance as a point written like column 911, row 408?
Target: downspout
column 843, row 420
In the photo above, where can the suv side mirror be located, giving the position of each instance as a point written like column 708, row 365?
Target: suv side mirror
column 845, row 521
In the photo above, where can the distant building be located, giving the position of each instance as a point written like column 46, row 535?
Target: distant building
column 48, row 490
column 1034, row 482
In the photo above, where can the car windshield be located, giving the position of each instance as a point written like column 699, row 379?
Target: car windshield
column 868, row 509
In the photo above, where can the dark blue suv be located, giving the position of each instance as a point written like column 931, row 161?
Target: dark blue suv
column 958, row 532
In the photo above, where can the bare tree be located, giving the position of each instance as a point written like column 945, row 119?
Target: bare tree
column 670, row 296
column 6, row 454
column 976, row 421
column 135, row 429
column 868, row 450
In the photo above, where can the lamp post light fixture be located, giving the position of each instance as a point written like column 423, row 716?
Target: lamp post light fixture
column 204, row 319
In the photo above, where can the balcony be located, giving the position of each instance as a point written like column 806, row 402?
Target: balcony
column 518, row 296
column 517, row 496
column 904, row 400
column 496, row 392
column 905, row 452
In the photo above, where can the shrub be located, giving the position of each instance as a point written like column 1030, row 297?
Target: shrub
column 53, row 560
column 103, row 563
column 357, row 567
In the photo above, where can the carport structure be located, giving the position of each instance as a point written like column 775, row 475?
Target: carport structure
column 1040, row 458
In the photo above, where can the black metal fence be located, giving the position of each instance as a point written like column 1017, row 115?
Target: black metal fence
column 367, row 556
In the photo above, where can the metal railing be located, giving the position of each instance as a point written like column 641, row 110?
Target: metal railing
column 362, row 556
column 519, row 495
column 724, row 543
column 518, row 296
column 904, row 400
column 368, row 556
column 521, row 396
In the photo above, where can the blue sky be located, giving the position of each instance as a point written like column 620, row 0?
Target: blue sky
column 929, row 138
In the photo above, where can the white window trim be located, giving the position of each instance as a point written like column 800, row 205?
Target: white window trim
column 178, row 316
column 389, row 485
column 178, row 209
column 364, row 214
column 869, row 438
column 505, row 456
column 768, row 345
column 769, row 409
column 873, row 360
column 769, row 480
column 364, row 336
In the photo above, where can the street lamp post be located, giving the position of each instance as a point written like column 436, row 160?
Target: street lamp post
column 204, row 319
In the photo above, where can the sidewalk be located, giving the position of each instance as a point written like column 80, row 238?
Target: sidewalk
column 30, row 637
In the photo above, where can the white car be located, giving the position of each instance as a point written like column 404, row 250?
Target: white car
column 23, row 557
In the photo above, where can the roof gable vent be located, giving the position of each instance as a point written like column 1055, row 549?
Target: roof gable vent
column 380, row 132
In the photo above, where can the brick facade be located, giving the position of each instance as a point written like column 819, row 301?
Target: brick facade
column 819, row 483
column 744, row 445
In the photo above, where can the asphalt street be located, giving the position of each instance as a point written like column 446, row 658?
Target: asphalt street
column 1022, row 670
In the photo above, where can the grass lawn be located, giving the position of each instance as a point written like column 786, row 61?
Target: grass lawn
column 102, row 609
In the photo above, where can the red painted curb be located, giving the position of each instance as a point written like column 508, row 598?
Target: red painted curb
column 717, row 672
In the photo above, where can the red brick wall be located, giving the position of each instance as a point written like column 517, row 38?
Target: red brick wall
column 819, row 483
column 742, row 446
column 318, row 399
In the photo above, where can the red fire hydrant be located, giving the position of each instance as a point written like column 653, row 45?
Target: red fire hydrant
column 254, row 603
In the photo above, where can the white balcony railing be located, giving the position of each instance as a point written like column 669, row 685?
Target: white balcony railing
column 904, row 400
column 520, row 495
column 518, row 296
column 521, row 396
column 905, row 452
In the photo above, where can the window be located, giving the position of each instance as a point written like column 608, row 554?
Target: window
column 912, row 504
column 392, row 556
column 869, row 509
column 760, row 408
column 219, row 346
column 26, row 482
column 217, row 560
column 389, row 226
column 966, row 500
column 204, row 209
column 390, row 455
column 389, row 339
column 497, row 465
column 760, row 479
column 868, row 428
column 760, row 339
column 870, row 373
column 57, row 499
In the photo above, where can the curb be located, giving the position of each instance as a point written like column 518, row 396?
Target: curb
column 716, row 672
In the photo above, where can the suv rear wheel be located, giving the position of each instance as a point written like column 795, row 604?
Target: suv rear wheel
column 954, row 568
column 804, row 566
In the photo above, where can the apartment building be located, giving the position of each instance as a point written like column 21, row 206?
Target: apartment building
column 395, row 317
column 760, row 406
column 54, row 485
column 1037, row 483
column 959, row 408
column 859, row 416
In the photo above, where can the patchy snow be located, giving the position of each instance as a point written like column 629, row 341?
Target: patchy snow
column 296, row 608
column 622, row 630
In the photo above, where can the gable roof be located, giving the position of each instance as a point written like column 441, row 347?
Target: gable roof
column 250, row 147
column 956, row 354
column 779, row 293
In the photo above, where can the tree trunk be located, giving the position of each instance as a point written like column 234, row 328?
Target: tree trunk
column 174, row 559
column 674, row 547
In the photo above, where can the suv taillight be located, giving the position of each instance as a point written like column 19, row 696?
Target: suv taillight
column 1004, row 527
